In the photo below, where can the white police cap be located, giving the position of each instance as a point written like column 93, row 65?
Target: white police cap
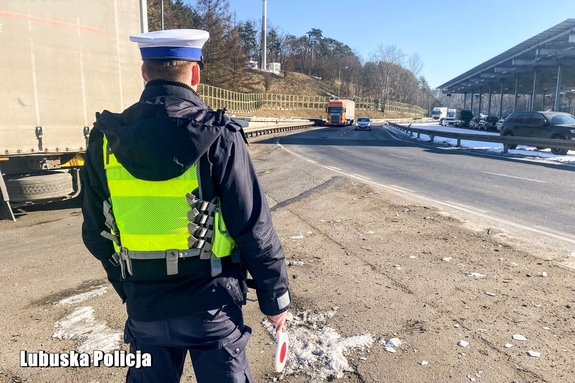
column 175, row 44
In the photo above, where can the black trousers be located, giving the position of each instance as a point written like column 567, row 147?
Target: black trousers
column 216, row 344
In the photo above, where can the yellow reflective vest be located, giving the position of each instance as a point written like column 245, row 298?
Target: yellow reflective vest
column 153, row 215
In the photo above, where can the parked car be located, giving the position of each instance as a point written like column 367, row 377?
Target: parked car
column 488, row 123
column 474, row 123
column 499, row 123
column 556, row 125
column 363, row 123
column 463, row 118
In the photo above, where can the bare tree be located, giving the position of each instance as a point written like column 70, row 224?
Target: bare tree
column 415, row 64
column 389, row 60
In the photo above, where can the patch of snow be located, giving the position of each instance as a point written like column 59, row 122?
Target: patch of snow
column 523, row 151
column 394, row 342
column 82, row 326
column 476, row 275
column 294, row 263
column 316, row 349
column 519, row 337
column 82, row 297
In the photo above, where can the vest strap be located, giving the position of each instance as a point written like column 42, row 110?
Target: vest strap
column 171, row 256
column 215, row 265
column 147, row 255
column 111, row 237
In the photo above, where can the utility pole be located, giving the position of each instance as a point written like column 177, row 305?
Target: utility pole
column 264, row 35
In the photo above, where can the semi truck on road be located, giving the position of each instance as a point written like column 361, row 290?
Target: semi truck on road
column 60, row 62
column 439, row 113
column 340, row 112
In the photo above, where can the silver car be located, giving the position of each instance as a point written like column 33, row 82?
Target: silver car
column 363, row 123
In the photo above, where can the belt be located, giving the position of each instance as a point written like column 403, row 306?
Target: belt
column 125, row 256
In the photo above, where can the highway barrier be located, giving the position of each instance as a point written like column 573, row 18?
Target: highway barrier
column 505, row 140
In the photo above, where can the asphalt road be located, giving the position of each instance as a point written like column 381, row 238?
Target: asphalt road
column 534, row 197
column 365, row 265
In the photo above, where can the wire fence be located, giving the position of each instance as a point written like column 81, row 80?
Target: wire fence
column 237, row 102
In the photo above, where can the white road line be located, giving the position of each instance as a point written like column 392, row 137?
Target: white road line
column 545, row 231
column 465, row 207
column 395, row 155
column 359, row 176
column 400, row 188
column 519, row 178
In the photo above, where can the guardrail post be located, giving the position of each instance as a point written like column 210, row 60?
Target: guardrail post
column 505, row 148
column 431, row 138
column 459, row 142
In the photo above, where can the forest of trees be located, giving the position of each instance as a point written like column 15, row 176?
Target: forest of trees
column 389, row 75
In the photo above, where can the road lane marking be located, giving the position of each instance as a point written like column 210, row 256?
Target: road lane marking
column 359, row 176
column 400, row 188
column 395, row 155
column 519, row 178
column 544, row 231
column 467, row 208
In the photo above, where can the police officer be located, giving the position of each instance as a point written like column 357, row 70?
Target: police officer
column 173, row 209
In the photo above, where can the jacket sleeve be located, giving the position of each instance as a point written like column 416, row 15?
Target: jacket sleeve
column 248, row 220
column 94, row 193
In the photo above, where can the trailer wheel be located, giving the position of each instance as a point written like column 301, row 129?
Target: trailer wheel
column 31, row 188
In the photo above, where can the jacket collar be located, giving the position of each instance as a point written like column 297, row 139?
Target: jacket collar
column 156, row 88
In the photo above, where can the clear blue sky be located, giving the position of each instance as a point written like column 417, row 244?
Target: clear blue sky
column 451, row 36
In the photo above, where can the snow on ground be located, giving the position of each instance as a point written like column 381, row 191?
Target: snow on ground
column 317, row 350
column 527, row 152
column 82, row 297
column 81, row 325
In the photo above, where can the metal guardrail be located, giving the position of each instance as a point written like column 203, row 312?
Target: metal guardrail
column 276, row 128
column 505, row 140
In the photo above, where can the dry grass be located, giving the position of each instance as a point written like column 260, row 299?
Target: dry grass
column 298, row 84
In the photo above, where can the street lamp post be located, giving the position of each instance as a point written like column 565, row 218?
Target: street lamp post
column 162, row 12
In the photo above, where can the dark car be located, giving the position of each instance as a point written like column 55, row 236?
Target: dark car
column 556, row 125
column 474, row 123
column 463, row 118
column 488, row 123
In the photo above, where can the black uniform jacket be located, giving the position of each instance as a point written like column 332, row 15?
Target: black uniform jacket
column 159, row 138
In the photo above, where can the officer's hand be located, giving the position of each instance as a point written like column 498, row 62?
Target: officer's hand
column 278, row 320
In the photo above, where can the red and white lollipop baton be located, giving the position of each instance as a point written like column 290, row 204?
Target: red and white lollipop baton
column 281, row 350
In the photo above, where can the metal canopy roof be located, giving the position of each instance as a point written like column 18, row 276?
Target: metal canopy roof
column 542, row 53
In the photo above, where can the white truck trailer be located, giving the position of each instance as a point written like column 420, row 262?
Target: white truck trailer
column 60, row 62
column 439, row 113
column 450, row 119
